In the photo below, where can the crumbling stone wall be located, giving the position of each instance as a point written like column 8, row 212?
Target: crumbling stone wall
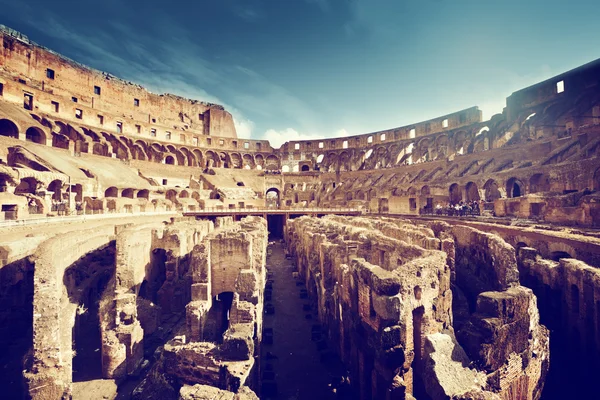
column 56, row 304
column 230, row 259
column 54, row 314
column 389, row 303
column 569, row 301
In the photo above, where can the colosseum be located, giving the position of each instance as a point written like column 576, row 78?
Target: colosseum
column 148, row 252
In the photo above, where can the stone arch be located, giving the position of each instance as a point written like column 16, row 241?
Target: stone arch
column 272, row 197
column 212, row 160
column 143, row 194
column 170, row 160
column 459, row 139
column 492, row 192
column 455, row 193
column 98, row 148
column 514, row 188
column 28, row 185
column 199, row 158
column 137, row 152
column 472, row 192
column 93, row 135
column 272, row 162
column 35, row 135
column 248, row 161
column 236, row 160
column 189, row 158
column 111, row 192
column 441, row 144
column 60, row 141
column 75, row 280
column 127, row 193
column 5, row 181
column 344, row 161
column 225, row 159
column 171, row 195
column 56, row 188
column 184, row 194
column 178, row 155
column 9, row 128
column 118, row 147
column 259, row 160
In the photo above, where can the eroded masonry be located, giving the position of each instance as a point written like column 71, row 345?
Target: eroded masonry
column 147, row 252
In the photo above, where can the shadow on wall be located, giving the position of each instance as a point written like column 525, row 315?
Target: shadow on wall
column 86, row 281
column 570, row 309
column 16, row 326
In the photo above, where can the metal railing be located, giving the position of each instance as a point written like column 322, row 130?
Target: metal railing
column 11, row 217
column 266, row 210
column 451, row 212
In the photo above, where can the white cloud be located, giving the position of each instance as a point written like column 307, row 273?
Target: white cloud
column 278, row 137
column 243, row 126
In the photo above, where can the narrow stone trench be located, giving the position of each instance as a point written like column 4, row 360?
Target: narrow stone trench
column 293, row 361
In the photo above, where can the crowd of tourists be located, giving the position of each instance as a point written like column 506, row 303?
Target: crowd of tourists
column 460, row 209
column 60, row 206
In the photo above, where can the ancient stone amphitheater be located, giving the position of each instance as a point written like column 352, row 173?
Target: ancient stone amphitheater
column 147, row 252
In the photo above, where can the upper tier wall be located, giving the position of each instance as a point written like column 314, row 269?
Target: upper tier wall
column 444, row 123
column 98, row 93
column 106, row 103
column 568, row 84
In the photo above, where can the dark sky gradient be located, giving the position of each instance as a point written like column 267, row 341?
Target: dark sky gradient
column 290, row 69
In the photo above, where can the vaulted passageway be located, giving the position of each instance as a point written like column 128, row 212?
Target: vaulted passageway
column 299, row 362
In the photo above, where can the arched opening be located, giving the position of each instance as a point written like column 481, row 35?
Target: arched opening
column 172, row 195
column 4, row 181
column 143, row 194
column 56, row 187
column 85, row 282
column 35, row 135
column 8, row 128
column 557, row 255
column 472, row 192
column 455, row 194
column 99, row 149
column 149, row 296
column 285, row 168
column 305, row 168
column 16, row 335
column 514, row 188
column 170, row 160
column 27, row 185
column 217, row 320
column 111, row 192
column 492, row 193
column 60, row 141
column 519, row 246
column 272, row 197
column 127, row 193
column 184, row 194
column 78, row 190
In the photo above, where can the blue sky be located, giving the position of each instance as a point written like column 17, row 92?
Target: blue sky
column 300, row 69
